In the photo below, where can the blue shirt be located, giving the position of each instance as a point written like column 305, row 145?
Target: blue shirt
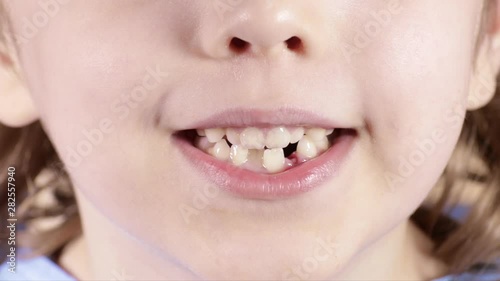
column 40, row 268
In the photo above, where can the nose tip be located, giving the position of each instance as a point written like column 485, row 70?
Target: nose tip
column 258, row 30
column 265, row 34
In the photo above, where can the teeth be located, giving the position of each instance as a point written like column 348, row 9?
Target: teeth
column 252, row 138
column 306, row 148
column 233, row 136
column 261, row 150
column 296, row 134
column 274, row 160
column 203, row 143
column 239, row 154
column 215, row 135
column 255, row 158
column 322, row 144
column 220, row 150
column 316, row 134
column 278, row 138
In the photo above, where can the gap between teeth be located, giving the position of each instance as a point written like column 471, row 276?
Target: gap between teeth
column 262, row 150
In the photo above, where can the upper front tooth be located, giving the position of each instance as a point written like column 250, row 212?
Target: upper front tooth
column 252, row 138
column 306, row 148
column 296, row 134
column 233, row 136
column 316, row 133
column 201, row 132
column 274, row 160
column 221, row 150
column 278, row 138
column 214, row 135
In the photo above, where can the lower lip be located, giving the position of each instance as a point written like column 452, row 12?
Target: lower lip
column 250, row 185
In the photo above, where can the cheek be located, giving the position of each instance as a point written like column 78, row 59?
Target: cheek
column 415, row 87
column 97, row 103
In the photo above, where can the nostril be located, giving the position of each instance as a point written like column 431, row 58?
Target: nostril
column 294, row 43
column 238, row 45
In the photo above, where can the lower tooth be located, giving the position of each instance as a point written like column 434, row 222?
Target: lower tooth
column 239, row 155
column 203, row 143
column 221, row 150
column 255, row 158
column 322, row 144
column 306, row 148
column 274, row 160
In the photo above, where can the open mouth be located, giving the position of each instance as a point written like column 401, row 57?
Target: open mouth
column 264, row 150
column 267, row 162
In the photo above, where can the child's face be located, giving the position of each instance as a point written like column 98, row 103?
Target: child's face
column 113, row 81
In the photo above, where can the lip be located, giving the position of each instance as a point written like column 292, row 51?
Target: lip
column 245, row 117
column 251, row 185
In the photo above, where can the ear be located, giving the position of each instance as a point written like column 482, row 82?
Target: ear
column 16, row 105
column 483, row 84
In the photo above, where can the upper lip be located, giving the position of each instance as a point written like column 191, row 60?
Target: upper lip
column 283, row 116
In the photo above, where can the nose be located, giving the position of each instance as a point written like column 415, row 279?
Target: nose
column 263, row 28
